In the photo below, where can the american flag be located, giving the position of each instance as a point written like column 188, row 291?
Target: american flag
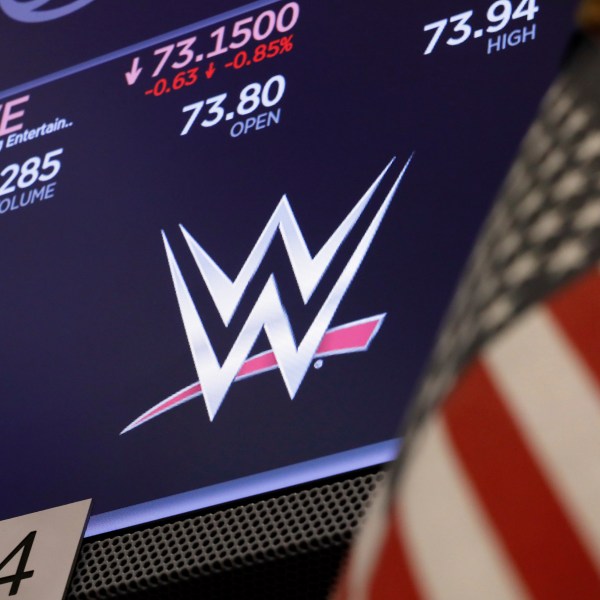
column 496, row 494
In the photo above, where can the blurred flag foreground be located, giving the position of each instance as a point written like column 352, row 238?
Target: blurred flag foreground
column 497, row 491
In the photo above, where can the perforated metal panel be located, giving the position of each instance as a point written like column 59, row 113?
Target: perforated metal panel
column 287, row 546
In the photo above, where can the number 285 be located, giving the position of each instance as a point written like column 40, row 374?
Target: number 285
column 31, row 171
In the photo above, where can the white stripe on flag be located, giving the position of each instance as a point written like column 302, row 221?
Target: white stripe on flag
column 453, row 548
column 554, row 400
column 367, row 547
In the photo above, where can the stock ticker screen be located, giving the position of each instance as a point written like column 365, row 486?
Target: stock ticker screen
column 229, row 232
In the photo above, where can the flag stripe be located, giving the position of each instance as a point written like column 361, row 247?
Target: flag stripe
column 367, row 550
column 392, row 577
column 445, row 527
column 341, row 590
column 578, row 310
column 554, row 399
column 518, row 500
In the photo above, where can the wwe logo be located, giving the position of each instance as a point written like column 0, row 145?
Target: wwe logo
column 268, row 313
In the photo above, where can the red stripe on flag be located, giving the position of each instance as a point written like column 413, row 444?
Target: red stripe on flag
column 519, row 502
column 577, row 309
column 341, row 589
column 392, row 577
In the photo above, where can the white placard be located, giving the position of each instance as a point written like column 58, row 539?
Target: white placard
column 38, row 552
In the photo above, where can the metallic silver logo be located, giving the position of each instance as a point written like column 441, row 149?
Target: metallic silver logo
column 269, row 314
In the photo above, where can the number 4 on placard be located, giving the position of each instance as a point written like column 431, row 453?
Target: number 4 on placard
column 24, row 547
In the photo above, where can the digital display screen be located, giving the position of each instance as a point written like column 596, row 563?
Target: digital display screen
column 229, row 232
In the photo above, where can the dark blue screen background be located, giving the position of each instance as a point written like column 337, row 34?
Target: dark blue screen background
column 90, row 331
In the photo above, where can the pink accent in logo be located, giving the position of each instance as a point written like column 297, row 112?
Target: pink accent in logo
column 345, row 339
